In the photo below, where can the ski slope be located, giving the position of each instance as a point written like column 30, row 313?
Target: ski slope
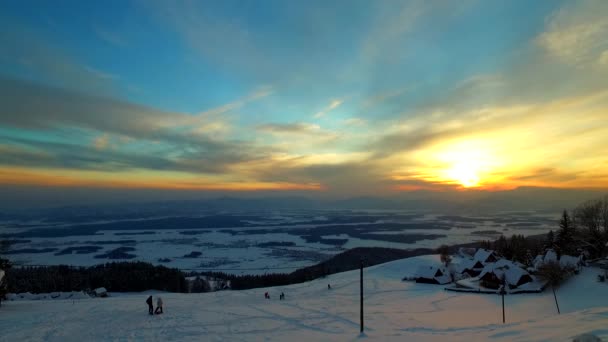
column 394, row 311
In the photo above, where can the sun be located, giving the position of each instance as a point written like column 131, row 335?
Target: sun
column 464, row 172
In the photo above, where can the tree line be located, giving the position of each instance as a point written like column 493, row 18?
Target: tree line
column 116, row 277
column 583, row 230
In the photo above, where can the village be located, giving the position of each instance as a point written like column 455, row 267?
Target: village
column 484, row 271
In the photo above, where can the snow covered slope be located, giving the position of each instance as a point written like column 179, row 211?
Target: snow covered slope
column 395, row 311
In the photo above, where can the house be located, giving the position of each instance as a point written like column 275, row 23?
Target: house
column 504, row 271
column 470, row 268
column 433, row 275
column 485, row 256
column 100, row 292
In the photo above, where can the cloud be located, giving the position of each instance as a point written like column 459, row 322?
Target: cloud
column 354, row 122
column 603, row 60
column 576, row 34
column 385, row 96
column 259, row 93
column 101, row 142
column 290, row 128
column 333, row 104
column 38, row 108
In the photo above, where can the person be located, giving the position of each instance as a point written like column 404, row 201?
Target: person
column 282, row 296
column 159, row 306
column 150, row 307
column 266, row 295
column 328, row 287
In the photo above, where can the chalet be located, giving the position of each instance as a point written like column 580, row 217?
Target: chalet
column 433, row 275
column 470, row 268
column 485, row 256
column 504, row 271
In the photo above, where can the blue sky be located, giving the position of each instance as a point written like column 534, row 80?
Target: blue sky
column 291, row 94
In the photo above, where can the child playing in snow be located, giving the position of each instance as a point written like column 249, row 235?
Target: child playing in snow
column 159, row 306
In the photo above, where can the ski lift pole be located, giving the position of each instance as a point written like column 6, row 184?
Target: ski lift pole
column 502, row 293
column 361, row 294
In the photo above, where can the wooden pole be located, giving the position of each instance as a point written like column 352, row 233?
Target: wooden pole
column 503, row 291
column 361, row 294
column 503, row 308
column 555, row 296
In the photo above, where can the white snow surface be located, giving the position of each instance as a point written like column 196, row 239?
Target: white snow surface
column 394, row 311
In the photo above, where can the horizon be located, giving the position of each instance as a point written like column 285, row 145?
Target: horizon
column 150, row 101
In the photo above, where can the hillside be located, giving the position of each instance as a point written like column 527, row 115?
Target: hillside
column 395, row 311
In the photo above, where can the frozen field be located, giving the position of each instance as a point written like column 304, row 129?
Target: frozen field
column 253, row 243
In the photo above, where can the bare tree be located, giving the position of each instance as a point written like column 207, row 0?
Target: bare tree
column 444, row 255
column 589, row 216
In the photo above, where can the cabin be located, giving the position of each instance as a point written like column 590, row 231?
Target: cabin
column 433, row 275
column 485, row 256
column 494, row 275
column 100, row 292
column 470, row 268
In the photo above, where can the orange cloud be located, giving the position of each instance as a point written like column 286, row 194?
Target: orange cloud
column 59, row 178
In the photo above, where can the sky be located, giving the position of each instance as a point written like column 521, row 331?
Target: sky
column 329, row 98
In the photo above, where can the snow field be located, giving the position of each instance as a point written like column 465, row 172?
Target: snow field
column 394, row 311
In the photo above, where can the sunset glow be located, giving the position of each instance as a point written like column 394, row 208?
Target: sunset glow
column 214, row 97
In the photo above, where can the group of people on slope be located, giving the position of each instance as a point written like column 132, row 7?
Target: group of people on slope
column 281, row 296
column 159, row 305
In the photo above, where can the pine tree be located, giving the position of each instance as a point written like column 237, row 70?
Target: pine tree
column 550, row 241
column 565, row 235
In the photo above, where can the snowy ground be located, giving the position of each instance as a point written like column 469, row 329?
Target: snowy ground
column 395, row 311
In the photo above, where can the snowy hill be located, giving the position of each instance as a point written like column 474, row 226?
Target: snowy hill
column 395, row 311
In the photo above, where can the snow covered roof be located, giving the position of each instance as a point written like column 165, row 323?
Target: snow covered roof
column 505, row 269
column 429, row 272
column 550, row 256
column 483, row 255
column 440, row 274
column 468, row 264
column 100, row 290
